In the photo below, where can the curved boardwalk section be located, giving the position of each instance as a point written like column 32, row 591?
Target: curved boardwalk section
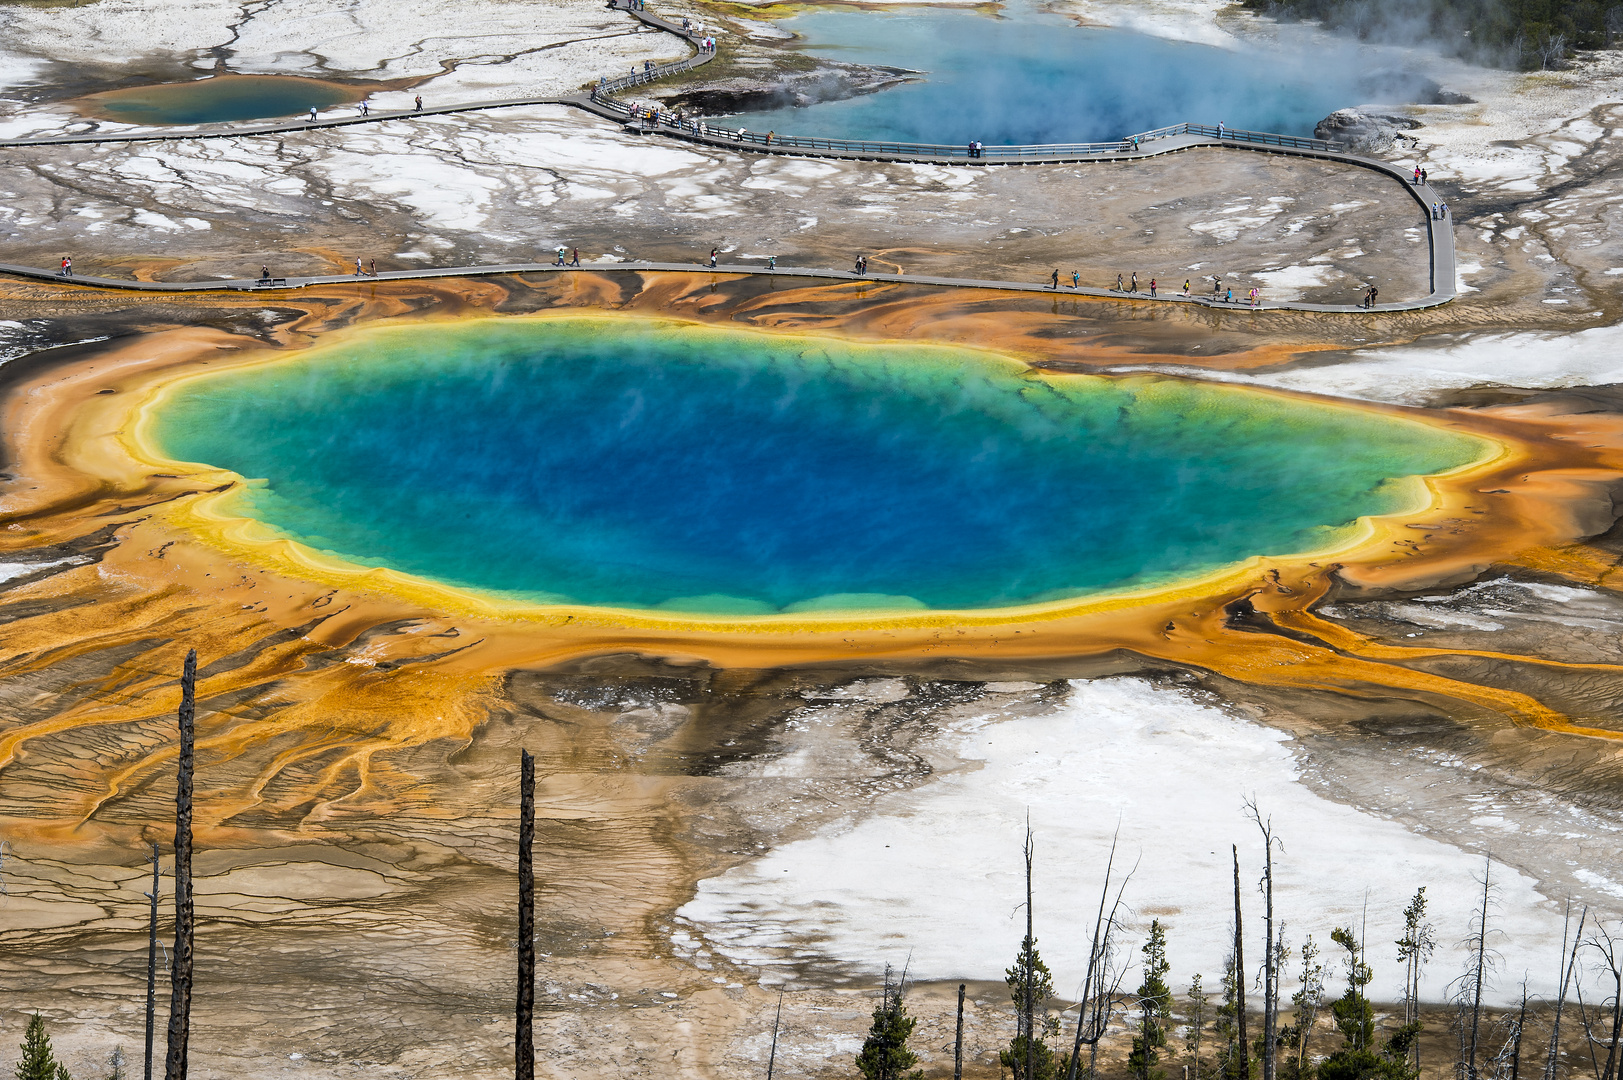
column 601, row 101
column 271, row 285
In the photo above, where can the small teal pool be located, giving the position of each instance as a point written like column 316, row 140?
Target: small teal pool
column 1030, row 76
column 659, row 465
column 218, row 100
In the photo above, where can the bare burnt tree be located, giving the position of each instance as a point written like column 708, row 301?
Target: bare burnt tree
column 1610, row 950
column 524, row 1025
column 1102, row 982
column 772, row 1058
column 1569, row 964
column 1028, row 1009
column 1507, row 1060
column 1275, row 945
column 152, row 960
column 1239, row 971
column 1469, row 986
column 180, row 979
column 958, row 1040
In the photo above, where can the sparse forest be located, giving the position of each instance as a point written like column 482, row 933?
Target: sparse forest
column 1327, row 1029
column 1519, row 34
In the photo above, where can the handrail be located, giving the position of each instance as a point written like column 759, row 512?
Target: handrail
column 657, row 118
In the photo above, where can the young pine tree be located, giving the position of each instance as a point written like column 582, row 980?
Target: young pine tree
column 1045, row 1064
column 1154, row 1008
column 1295, row 1036
column 1226, row 1029
column 1359, row 1058
column 885, row 1055
column 38, row 1062
column 1197, row 1025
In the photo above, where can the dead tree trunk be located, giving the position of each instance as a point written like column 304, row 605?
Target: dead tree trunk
column 1516, row 1043
column 524, row 1033
column 772, row 1058
column 180, row 978
column 1100, row 986
column 1553, row 1060
column 1604, row 943
column 1270, row 962
column 1239, row 973
column 152, row 961
column 1031, row 945
column 1481, row 960
column 958, row 1040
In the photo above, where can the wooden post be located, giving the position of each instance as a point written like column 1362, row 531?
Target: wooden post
column 958, row 1043
column 152, row 961
column 1239, row 973
column 524, row 1035
column 180, row 978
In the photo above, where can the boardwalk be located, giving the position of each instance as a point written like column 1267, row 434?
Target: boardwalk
column 601, row 101
column 275, row 285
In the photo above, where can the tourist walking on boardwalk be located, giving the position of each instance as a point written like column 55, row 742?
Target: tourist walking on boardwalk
column 1374, row 295
column 264, row 272
column 67, row 266
column 560, row 253
column 1054, row 279
column 419, row 107
column 312, row 114
column 1417, row 175
column 373, row 270
column 1220, row 129
column 713, row 253
column 358, row 271
column 771, row 262
column 366, row 110
column 575, row 261
column 1135, row 281
column 1118, row 284
column 1076, row 279
column 1217, row 284
column 1152, row 288
column 1423, row 180
column 1186, row 286
column 1253, row 297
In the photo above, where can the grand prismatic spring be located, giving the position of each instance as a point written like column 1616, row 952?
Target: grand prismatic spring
column 819, row 517
column 633, row 464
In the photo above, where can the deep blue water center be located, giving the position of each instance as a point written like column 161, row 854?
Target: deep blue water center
column 1029, row 76
column 646, row 464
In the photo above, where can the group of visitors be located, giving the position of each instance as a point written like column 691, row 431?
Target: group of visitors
column 1129, row 286
column 1419, row 176
column 373, row 272
column 66, row 269
column 862, row 265
column 1439, row 210
column 977, row 149
column 562, row 252
column 1370, row 295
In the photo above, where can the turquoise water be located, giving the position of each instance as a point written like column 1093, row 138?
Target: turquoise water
column 1032, row 76
column 222, row 99
column 644, row 464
